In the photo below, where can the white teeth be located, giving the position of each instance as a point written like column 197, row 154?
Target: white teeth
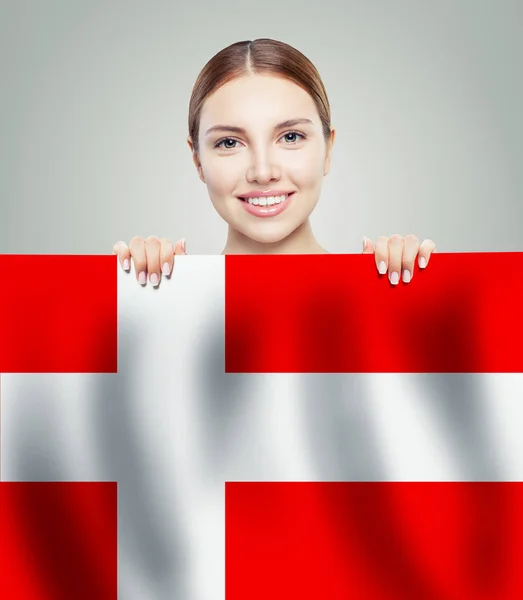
column 266, row 201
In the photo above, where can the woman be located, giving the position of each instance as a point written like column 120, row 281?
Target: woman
column 261, row 139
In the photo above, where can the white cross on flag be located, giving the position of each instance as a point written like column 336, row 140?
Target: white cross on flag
column 261, row 427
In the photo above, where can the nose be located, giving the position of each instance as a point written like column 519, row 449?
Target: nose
column 263, row 169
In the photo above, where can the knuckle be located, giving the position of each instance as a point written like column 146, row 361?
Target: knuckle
column 396, row 239
column 136, row 245
column 120, row 248
column 412, row 239
column 152, row 240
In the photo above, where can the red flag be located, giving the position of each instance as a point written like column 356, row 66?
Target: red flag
column 252, row 369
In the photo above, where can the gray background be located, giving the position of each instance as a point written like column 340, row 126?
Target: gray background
column 426, row 99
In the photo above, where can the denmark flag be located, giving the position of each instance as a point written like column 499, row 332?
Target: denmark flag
column 261, row 427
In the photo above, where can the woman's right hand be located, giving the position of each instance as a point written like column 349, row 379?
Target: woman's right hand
column 152, row 257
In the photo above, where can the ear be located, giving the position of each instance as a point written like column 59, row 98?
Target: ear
column 330, row 144
column 196, row 159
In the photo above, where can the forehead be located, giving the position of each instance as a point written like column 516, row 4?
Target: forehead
column 257, row 99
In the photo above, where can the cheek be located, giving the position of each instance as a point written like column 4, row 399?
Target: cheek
column 305, row 167
column 221, row 174
column 302, row 167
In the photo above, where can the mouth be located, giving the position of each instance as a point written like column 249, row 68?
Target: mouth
column 266, row 206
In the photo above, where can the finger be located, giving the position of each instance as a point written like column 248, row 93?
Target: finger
column 381, row 254
column 137, row 247
column 124, row 255
column 410, row 251
column 181, row 247
column 395, row 258
column 426, row 249
column 368, row 248
column 152, row 251
column 166, row 256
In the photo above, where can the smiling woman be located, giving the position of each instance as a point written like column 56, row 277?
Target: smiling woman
column 261, row 139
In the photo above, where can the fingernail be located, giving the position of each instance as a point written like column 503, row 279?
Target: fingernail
column 126, row 264
column 142, row 279
column 394, row 278
column 184, row 246
column 166, row 269
column 406, row 276
column 364, row 243
column 422, row 262
column 154, row 279
column 382, row 268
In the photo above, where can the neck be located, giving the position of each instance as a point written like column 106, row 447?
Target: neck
column 300, row 241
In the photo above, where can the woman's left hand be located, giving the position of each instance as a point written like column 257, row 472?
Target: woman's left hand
column 397, row 255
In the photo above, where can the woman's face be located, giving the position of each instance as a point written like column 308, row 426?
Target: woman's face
column 261, row 136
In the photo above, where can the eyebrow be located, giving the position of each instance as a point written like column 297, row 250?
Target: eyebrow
column 240, row 130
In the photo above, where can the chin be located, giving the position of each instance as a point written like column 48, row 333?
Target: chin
column 272, row 234
column 268, row 230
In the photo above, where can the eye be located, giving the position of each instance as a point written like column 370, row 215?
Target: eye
column 226, row 144
column 291, row 137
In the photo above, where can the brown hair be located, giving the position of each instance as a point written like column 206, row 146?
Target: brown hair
column 258, row 56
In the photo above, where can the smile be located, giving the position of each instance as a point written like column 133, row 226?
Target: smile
column 264, row 205
column 269, row 201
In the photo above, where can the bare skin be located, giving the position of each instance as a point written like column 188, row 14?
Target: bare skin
column 154, row 257
column 263, row 163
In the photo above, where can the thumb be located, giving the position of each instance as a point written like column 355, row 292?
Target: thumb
column 181, row 247
column 368, row 248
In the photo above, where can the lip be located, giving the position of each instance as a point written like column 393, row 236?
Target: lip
column 266, row 211
column 266, row 194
